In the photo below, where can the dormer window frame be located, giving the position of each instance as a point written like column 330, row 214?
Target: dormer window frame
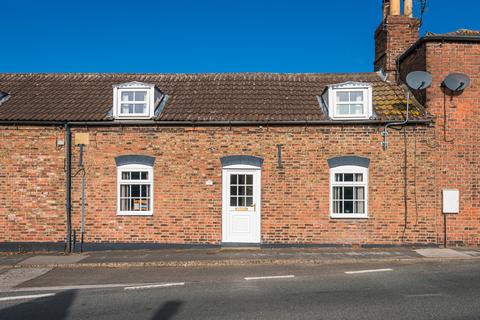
column 3, row 96
column 350, row 87
column 133, row 88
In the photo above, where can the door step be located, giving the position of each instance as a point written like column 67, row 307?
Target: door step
column 240, row 246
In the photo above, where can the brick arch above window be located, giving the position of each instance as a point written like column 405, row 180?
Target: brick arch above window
column 241, row 160
column 134, row 159
column 348, row 161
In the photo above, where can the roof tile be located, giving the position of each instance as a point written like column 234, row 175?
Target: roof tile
column 192, row 97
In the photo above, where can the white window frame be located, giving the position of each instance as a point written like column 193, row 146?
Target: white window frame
column 366, row 90
column 149, row 181
column 364, row 183
column 134, row 115
column 133, row 87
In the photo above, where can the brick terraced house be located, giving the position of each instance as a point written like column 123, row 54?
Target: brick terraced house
column 172, row 160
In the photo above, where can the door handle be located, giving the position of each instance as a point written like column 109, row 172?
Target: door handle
column 254, row 207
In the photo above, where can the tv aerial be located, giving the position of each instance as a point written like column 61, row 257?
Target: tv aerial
column 456, row 82
column 416, row 80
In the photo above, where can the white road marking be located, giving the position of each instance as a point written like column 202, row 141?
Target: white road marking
column 420, row 295
column 151, row 286
column 270, row 277
column 33, row 296
column 80, row 287
column 368, row 271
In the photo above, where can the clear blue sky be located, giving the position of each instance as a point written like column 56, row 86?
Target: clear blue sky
column 187, row 36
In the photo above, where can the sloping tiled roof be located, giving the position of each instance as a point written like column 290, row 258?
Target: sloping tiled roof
column 192, row 97
column 459, row 32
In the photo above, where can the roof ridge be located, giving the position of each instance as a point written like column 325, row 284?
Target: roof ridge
column 206, row 74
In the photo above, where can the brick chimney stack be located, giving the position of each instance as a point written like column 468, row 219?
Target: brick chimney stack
column 395, row 34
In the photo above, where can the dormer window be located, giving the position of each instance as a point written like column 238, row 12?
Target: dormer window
column 3, row 95
column 135, row 100
column 349, row 101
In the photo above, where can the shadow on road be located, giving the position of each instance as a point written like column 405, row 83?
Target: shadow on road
column 55, row 307
column 167, row 310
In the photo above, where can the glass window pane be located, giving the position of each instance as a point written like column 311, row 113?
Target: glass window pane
column 126, row 108
column 359, row 177
column 348, row 207
column 144, row 175
column 241, row 201
column 249, row 190
column 359, row 207
column 145, row 190
column 356, row 109
column 123, row 204
column 233, row 190
column 125, row 175
column 140, row 95
column 337, row 207
column 140, row 108
column 127, row 96
column 342, row 96
column 337, row 193
column 360, row 193
column 135, row 190
column 136, row 204
column 233, row 201
column 348, row 177
column 249, row 201
column 338, row 177
column 241, row 179
column 356, row 96
column 241, row 190
column 249, row 179
column 347, row 192
column 343, row 109
column 233, row 179
column 135, row 175
column 124, row 190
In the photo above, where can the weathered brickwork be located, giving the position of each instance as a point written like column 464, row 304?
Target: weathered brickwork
column 456, row 132
column 392, row 37
column 295, row 199
column 32, row 188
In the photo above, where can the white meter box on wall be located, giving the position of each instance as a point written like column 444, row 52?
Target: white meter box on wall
column 451, row 201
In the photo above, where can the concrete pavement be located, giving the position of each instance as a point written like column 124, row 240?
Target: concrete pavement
column 219, row 257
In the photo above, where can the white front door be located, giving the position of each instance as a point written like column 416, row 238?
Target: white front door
column 241, row 205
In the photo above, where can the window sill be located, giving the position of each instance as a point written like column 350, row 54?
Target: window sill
column 350, row 118
column 134, row 117
column 348, row 216
column 141, row 214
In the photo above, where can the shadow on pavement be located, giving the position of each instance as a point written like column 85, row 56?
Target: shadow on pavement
column 55, row 307
column 167, row 310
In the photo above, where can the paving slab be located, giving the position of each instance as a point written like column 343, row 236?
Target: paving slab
column 53, row 259
column 15, row 258
column 16, row 276
column 442, row 253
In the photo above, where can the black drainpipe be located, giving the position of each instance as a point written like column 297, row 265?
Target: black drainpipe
column 68, row 202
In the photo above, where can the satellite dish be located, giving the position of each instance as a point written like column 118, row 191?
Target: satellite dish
column 419, row 80
column 456, row 82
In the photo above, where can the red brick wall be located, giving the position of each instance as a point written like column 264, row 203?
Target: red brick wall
column 295, row 200
column 32, row 188
column 394, row 35
column 456, row 139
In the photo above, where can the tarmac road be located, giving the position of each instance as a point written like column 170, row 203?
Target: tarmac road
column 417, row 290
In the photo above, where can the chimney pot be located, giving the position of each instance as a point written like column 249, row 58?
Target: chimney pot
column 394, row 7
column 408, row 8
